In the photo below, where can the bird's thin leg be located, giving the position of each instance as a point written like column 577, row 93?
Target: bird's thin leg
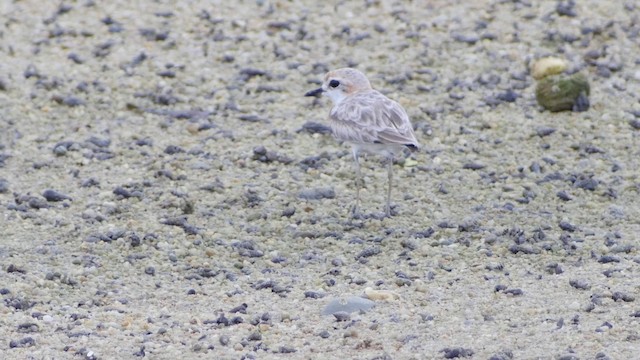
column 390, row 171
column 356, row 207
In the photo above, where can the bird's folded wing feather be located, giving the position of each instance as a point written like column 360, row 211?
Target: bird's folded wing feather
column 371, row 117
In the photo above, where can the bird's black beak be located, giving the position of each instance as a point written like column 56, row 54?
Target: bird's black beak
column 317, row 92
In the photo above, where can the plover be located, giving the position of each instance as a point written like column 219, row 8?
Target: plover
column 368, row 120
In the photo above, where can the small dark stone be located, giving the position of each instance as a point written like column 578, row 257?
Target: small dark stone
column 466, row 38
column 289, row 211
column 567, row 226
column 543, row 131
column 514, row 292
column 286, row 350
column 54, row 196
column 606, row 259
column 473, row 166
column 99, row 142
column 554, row 269
column 317, row 194
column 255, row 336
column 368, row 252
column 313, row 295
column 4, row 186
column 618, row 295
column 566, row 8
column 423, row 234
column 75, row 58
column 150, row 270
column 173, row 149
column 564, row 195
column 508, row 96
column 24, row 342
column 635, row 123
column 167, row 73
column 580, row 284
column 458, row 352
column 325, row 334
column 315, row 128
column 242, row 308
column 587, row 184
column 523, row 248
column 224, row 340
column 342, row 316
column 502, row 355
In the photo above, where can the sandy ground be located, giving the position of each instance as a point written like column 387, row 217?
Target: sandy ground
column 165, row 193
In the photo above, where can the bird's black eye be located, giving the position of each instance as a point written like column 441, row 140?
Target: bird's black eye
column 334, row 83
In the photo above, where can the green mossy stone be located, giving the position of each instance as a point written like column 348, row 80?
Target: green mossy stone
column 563, row 92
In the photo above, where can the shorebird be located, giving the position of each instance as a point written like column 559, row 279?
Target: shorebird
column 368, row 120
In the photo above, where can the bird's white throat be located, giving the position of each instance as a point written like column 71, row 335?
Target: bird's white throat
column 336, row 96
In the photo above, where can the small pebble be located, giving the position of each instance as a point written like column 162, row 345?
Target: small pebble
column 54, row 196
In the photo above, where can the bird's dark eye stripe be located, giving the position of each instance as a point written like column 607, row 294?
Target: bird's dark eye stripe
column 334, row 83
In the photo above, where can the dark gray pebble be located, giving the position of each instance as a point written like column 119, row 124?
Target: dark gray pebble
column 564, row 195
column 153, row 35
column 24, row 342
column 150, row 270
column 4, row 186
column 242, row 309
column 554, row 269
column 473, row 166
column 314, row 295
column 567, row 226
column 618, row 295
column 580, row 284
column 252, row 118
column 586, row 183
column 368, row 252
column 140, row 353
column 255, row 336
column 224, row 340
column 75, row 58
column 99, row 142
column 144, row 142
column 317, row 194
column 523, row 248
column 514, row 292
column 90, row 182
column 167, row 74
column 71, row 101
column 635, row 123
column 566, row 8
column 606, row 259
column 543, row 131
column 315, row 128
column 286, row 350
column 458, row 352
column 54, row 196
column 502, row 355
column 120, row 191
column 325, row 334
column 289, row 211
column 260, row 153
column 342, row 316
column 424, row 234
column 466, row 38
column 508, row 96
column 173, row 149
column 37, row 203
column 28, row 328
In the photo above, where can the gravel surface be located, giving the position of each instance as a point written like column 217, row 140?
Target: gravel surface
column 167, row 192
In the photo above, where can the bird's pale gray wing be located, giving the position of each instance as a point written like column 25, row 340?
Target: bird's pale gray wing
column 372, row 118
column 395, row 124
